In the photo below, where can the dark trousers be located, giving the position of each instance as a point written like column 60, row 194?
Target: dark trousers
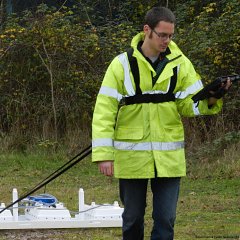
column 133, row 196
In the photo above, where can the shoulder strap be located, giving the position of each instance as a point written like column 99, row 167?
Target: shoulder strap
column 135, row 70
column 173, row 81
column 147, row 98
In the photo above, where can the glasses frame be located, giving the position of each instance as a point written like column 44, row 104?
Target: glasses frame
column 163, row 36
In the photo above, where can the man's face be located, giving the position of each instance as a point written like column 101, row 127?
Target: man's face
column 159, row 37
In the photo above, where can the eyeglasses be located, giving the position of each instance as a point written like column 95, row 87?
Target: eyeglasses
column 163, row 36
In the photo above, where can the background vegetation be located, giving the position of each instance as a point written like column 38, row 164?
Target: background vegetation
column 53, row 55
column 53, row 58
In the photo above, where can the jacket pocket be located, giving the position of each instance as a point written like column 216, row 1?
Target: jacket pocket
column 173, row 134
column 128, row 133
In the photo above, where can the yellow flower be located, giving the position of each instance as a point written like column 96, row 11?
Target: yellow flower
column 218, row 60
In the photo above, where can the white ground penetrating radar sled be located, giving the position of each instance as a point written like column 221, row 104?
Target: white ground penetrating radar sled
column 45, row 211
column 42, row 212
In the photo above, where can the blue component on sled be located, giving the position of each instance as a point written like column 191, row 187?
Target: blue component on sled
column 45, row 199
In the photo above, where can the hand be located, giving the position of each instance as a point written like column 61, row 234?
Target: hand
column 219, row 93
column 106, row 168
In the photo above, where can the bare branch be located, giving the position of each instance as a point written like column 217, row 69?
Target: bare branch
column 62, row 6
column 49, row 69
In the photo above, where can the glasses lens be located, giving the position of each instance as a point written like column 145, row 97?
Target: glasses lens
column 163, row 36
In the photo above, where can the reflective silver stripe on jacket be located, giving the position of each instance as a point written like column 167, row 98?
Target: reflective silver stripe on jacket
column 190, row 90
column 178, row 68
column 110, row 92
column 148, row 146
column 155, row 92
column 102, row 142
column 195, row 109
column 127, row 80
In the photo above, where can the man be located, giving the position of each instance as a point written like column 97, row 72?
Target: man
column 144, row 138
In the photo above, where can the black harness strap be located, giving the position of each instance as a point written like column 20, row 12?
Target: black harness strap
column 173, row 81
column 148, row 98
column 135, row 70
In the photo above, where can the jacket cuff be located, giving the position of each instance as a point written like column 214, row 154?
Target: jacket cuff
column 102, row 154
column 214, row 109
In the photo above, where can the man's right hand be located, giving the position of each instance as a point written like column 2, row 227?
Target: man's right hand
column 106, row 168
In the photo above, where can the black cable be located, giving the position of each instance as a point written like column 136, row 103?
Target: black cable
column 79, row 154
column 54, row 175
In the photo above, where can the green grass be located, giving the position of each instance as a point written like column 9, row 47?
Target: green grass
column 208, row 208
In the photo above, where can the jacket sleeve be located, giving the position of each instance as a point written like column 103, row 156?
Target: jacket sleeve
column 188, row 84
column 105, row 112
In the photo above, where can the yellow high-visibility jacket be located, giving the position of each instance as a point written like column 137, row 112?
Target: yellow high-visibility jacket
column 147, row 139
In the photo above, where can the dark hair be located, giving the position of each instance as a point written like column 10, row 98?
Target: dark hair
column 157, row 14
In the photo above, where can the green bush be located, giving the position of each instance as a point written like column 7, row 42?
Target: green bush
column 52, row 62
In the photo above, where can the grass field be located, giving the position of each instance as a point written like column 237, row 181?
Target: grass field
column 208, row 207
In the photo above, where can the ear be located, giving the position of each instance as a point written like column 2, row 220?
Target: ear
column 146, row 29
